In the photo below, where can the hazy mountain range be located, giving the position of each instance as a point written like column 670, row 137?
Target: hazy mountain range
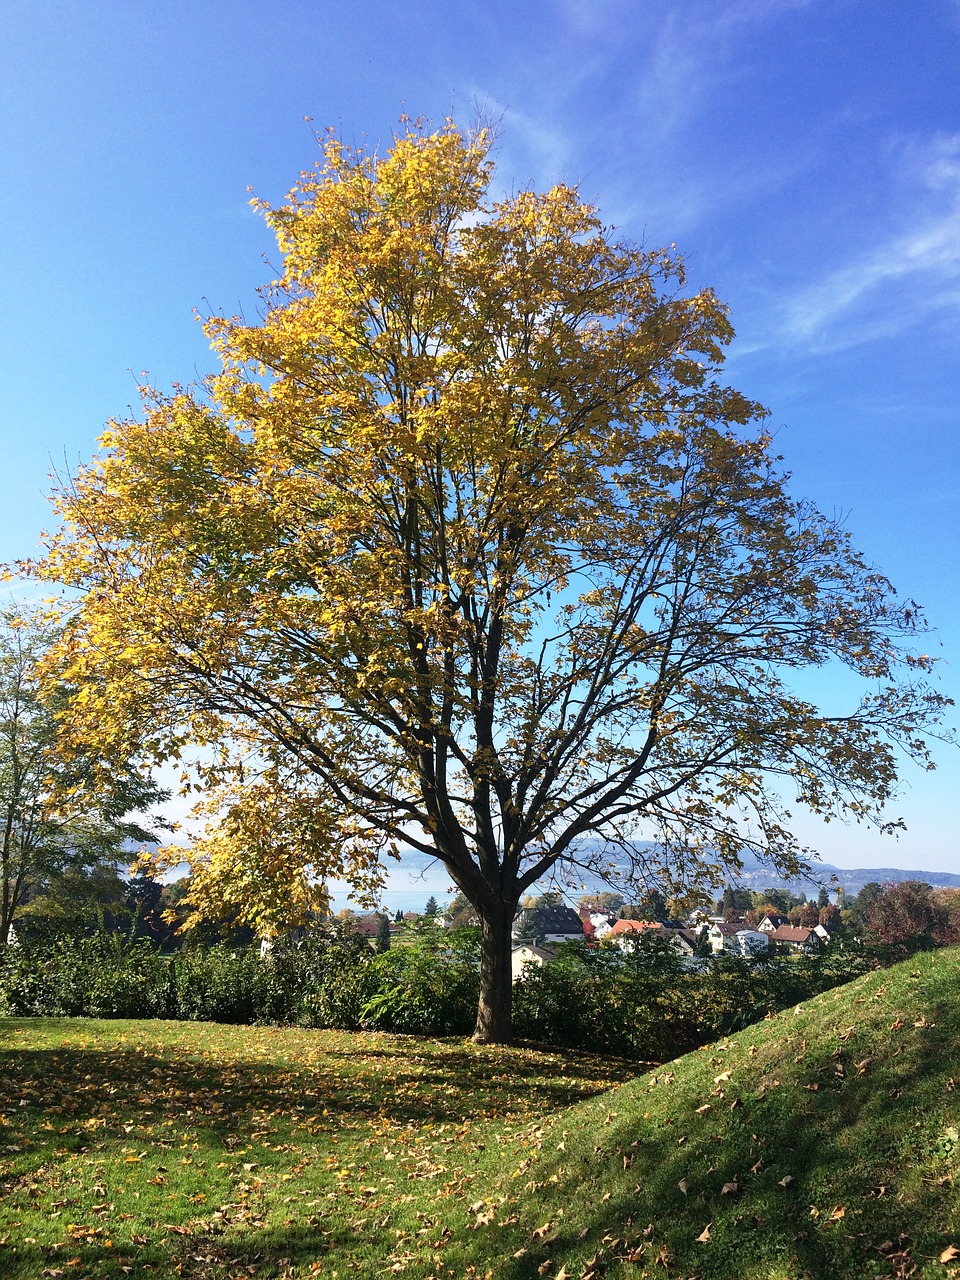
column 416, row 873
column 756, row 876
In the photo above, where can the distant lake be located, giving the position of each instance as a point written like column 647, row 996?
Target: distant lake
column 416, row 877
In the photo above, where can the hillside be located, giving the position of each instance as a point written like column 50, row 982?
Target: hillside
column 819, row 1143
column 851, row 879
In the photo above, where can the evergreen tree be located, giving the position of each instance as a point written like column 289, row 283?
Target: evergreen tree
column 383, row 934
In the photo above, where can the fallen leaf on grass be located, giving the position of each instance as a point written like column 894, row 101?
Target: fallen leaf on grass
column 950, row 1253
column 704, row 1235
column 785, row 1182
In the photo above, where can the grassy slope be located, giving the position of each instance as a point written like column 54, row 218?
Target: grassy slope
column 821, row 1143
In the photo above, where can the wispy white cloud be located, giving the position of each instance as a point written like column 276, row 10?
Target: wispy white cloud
column 915, row 264
column 695, row 51
column 657, row 71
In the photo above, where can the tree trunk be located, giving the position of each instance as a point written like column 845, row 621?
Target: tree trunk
column 494, row 1013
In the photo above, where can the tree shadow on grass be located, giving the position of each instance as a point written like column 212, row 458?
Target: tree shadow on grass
column 827, row 1172
column 129, row 1117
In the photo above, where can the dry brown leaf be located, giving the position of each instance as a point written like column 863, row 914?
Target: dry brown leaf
column 730, row 1188
column 950, row 1253
column 785, row 1182
column 704, row 1235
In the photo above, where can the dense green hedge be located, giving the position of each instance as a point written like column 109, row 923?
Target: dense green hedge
column 648, row 1005
column 644, row 1005
column 319, row 981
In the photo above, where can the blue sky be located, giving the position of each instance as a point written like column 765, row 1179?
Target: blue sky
column 804, row 156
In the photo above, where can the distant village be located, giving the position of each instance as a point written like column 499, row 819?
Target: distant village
column 743, row 924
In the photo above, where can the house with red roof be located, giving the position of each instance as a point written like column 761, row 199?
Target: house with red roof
column 789, row 937
column 625, row 933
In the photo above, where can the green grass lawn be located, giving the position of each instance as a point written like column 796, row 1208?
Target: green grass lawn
column 820, row 1143
column 205, row 1150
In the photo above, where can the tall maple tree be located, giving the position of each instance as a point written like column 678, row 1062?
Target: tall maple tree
column 468, row 548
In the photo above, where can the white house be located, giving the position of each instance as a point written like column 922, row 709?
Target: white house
column 752, row 942
column 529, row 953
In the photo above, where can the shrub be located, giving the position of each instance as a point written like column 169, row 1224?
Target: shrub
column 643, row 1004
column 428, row 984
column 320, row 980
column 101, row 976
column 647, row 1005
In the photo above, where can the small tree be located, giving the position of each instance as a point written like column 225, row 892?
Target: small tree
column 468, row 547
column 776, row 902
column 383, row 934
column 805, row 916
column 862, row 904
column 830, row 917
column 432, row 908
column 905, row 918
column 67, row 816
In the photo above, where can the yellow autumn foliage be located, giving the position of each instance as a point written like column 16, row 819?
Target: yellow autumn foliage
column 469, row 538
